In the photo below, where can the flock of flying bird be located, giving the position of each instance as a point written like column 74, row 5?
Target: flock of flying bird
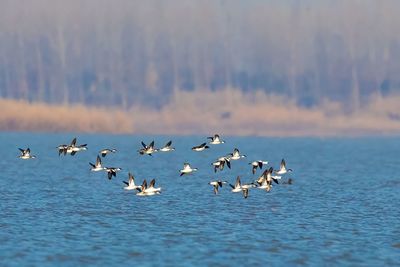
column 264, row 182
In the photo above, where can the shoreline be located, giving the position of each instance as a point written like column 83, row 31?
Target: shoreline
column 268, row 116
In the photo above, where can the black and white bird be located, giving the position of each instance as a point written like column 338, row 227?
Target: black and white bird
column 235, row 155
column 266, row 179
column 62, row 149
column 143, row 190
column 201, row 147
column 257, row 164
column 219, row 164
column 73, row 148
column 26, row 154
column 167, row 147
column 263, row 182
column 283, row 169
column 187, row 169
column 217, row 184
column 97, row 166
column 106, row 151
column 147, row 149
column 152, row 189
column 238, row 187
column 215, row 140
column 111, row 171
column 130, row 185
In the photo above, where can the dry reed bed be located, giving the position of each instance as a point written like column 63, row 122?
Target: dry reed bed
column 229, row 112
column 23, row 116
column 235, row 113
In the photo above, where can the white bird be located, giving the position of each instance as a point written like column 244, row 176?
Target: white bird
column 130, row 185
column 217, row 184
column 152, row 189
column 106, row 151
column 257, row 164
column 235, row 155
column 201, row 147
column 143, row 190
column 26, row 154
column 187, row 169
column 215, row 140
column 167, row 147
column 266, row 179
column 264, row 184
column 148, row 150
column 73, row 148
column 97, row 166
column 267, row 186
column 238, row 187
column 283, row 169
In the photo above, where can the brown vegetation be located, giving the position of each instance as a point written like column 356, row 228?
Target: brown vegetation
column 39, row 117
column 229, row 112
column 235, row 113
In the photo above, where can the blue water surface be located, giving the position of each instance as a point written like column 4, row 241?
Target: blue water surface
column 342, row 209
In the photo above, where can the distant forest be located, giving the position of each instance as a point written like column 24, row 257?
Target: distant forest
column 124, row 53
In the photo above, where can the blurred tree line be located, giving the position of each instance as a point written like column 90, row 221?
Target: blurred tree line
column 125, row 52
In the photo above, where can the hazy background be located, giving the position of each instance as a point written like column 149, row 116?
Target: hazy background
column 239, row 66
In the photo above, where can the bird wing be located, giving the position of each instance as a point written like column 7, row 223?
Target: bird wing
column 215, row 189
column 151, row 144
column 260, row 164
column 245, row 192
column 144, row 185
column 253, row 170
column 73, row 143
column 237, row 184
column 283, row 164
column 131, row 178
column 228, row 163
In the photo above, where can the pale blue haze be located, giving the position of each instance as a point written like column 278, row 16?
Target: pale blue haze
column 343, row 208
